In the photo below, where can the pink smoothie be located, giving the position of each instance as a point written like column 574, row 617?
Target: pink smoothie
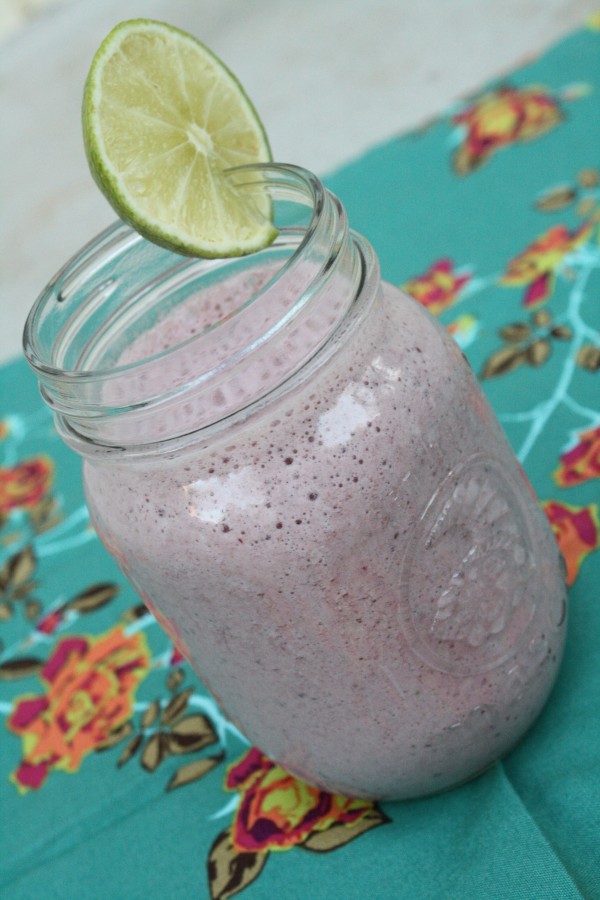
column 358, row 568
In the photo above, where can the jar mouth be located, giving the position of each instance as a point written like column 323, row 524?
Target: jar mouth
column 77, row 275
column 87, row 334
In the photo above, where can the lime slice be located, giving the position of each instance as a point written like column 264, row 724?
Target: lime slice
column 163, row 119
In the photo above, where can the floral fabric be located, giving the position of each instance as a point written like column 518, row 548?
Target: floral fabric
column 119, row 775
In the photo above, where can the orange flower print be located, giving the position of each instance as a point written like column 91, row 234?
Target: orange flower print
column 500, row 118
column 582, row 462
column 536, row 265
column 439, row 287
column 24, row 485
column 278, row 811
column 91, row 683
column 577, row 532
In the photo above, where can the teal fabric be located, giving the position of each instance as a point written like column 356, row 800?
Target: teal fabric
column 490, row 217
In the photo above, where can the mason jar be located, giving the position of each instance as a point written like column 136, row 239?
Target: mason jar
column 293, row 464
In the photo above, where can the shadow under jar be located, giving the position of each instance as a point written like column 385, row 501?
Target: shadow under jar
column 295, row 467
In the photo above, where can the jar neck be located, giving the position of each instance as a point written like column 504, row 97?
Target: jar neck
column 135, row 346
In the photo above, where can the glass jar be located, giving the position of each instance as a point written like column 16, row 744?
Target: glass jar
column 295, row 467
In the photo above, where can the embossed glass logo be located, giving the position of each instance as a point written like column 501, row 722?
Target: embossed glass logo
column 470, row 583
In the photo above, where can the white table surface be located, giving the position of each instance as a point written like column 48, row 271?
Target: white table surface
column 330, row 78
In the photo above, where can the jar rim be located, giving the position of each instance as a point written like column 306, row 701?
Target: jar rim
column 119, row 235
column 79, row 333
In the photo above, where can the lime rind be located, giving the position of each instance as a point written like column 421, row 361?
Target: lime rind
column 161, row 170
